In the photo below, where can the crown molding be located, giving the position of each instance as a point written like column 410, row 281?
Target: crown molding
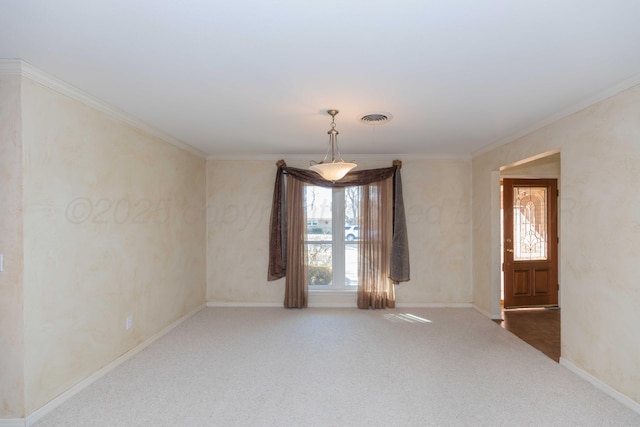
column 579, row 106
column 355, row 157
column 17, row 67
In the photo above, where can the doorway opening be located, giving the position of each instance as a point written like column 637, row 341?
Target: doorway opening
column 528, row 236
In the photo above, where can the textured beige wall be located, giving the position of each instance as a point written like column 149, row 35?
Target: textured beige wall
column 239, row 195
column 600, row 234
column 11, row 290
column 437, row 200
column 437, row 197
column 113, row 226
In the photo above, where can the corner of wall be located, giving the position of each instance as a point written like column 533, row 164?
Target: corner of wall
column 11, row 245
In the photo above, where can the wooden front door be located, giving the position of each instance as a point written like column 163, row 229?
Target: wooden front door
column 530, row 242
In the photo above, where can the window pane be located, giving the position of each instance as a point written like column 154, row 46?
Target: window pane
column 319, row 256
column 351, row 264
column 318, row 209
column 530, row 223
column 351, row 214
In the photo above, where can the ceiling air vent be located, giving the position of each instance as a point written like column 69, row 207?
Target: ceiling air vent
column 376, row 118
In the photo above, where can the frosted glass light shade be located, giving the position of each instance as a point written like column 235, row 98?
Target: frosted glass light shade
column 333, row 171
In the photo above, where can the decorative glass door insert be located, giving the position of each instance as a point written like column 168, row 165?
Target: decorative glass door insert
column 530, row 223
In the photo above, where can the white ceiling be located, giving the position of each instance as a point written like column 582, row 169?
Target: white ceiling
column 250, row 78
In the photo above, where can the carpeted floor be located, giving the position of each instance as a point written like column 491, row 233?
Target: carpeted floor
column 340, row 367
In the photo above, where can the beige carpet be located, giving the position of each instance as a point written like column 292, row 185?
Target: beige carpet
column 340, row 367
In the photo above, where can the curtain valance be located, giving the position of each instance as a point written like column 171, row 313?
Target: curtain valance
column 353, row 178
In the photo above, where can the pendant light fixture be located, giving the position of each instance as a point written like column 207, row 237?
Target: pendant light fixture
column 336, row 168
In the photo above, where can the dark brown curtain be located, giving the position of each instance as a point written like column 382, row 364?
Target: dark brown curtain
column 278, row 229
column 280, row 232
column 399, row 263
column 296, row 290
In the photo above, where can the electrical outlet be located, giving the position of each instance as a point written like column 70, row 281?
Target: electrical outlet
column 129, row 323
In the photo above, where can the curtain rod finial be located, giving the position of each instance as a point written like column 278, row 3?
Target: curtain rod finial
column 397, row 163
column 281, row 163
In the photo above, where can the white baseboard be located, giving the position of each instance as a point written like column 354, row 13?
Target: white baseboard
column 332, row 305
column 12, row 422
column 625, row 400
column 51, row 405
column 433, row 305
column 312, row 304
column 486, row 313
column 242, row 304
column 335, row 304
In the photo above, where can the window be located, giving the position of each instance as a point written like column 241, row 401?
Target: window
column 332, row 250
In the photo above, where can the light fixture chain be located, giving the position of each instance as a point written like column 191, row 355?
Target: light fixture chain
column 337, row 168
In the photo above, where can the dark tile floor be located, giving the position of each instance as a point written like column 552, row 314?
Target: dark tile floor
column 540, row 327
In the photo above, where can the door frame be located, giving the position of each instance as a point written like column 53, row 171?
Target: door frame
column 496, row 239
